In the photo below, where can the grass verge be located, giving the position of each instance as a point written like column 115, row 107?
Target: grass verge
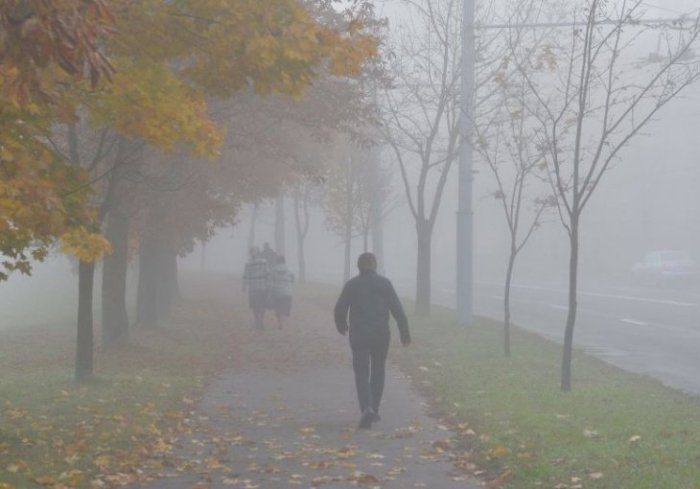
column 516, row 429
column 58, row 434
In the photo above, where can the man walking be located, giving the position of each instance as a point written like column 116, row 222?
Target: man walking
column 369, row 298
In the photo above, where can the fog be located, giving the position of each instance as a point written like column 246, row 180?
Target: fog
column 647, row 201
column 147, row 341
column 54, row 282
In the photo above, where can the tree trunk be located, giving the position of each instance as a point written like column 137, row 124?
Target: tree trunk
column 167, row 288
column 573, row 304
column 301, row 259
column 348, row 252
column 506, row 301
column 251, row 230
column 280, row 244
column 423, row 278
column 147, row 293
column 301, row 236
column 84, row 368
column 349, row 183
column 377, row 227
column 115, row 319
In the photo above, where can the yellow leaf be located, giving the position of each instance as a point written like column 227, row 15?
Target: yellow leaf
column 84, row 245
column 213, row 463
column 499, row 451
column 72, row 476
column 102, row 461
column 501, row 479
column 72, row 459
column 363, row 478
column 19, row 466
column 46, row 480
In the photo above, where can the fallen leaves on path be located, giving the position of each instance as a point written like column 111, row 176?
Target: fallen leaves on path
column 147, row 426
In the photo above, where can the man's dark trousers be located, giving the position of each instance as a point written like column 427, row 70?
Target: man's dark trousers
column 368, row 362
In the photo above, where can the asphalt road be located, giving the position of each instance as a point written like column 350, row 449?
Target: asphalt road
column 652, row 331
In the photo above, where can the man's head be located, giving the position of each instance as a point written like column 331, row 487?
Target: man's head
column 367, row 262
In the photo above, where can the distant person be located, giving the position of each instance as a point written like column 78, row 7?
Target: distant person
column 255, row 281
column 269, row 255
column 369, row 298
column 280, row 296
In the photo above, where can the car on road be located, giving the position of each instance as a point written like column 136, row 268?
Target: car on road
column 666, row 267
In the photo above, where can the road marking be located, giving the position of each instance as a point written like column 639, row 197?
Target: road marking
column 632, row 321
column 614, row 296
column 642, row 299
column 605, row 351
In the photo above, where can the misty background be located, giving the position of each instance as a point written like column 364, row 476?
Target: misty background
column 649, row 200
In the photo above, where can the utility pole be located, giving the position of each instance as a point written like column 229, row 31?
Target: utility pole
column 465, row 215
column 377, row 226
column 376, row 208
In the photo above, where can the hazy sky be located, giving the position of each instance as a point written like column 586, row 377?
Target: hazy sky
column 648, row 201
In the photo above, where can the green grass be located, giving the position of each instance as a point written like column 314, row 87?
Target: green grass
column 516, row 428
column 56, row 433
column 526, row 433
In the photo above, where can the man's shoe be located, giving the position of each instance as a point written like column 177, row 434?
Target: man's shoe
column 366, row 419
column 376, row 417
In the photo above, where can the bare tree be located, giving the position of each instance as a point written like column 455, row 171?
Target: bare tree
column 305, row 193
column 420, row 112
column 105, row 156
column 592, row 96
column 254, row 212
column 506, row 143
column 506, row 136
column 348, row 196
column 374, row 194
column 420, row 119
column 302, row 198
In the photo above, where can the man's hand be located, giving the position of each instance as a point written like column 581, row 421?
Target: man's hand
column 342, row 328
column 405, row 340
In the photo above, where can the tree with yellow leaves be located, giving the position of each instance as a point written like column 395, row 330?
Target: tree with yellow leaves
column 196, row 49
column 43, row 46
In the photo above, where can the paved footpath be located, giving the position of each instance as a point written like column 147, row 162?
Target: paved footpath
column 286, row 415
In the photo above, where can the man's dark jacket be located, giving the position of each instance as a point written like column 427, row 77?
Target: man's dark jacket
column 370, row 298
